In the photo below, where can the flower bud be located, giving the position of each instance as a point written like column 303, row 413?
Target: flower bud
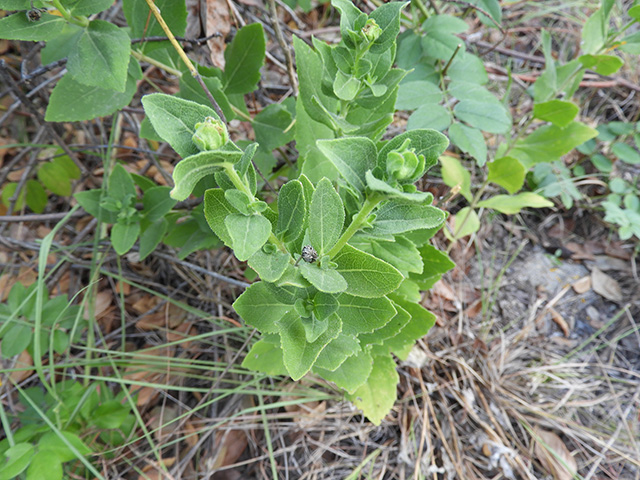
column 210, row 134
column 371, row 31
column 403, row 164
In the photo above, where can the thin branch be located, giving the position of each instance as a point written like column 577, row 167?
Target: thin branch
column 285, row 48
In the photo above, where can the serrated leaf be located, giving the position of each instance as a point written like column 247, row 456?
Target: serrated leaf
column 376, row 397
column 558, row 112
column 401, row 253
column 260, row 308
column 100, row 56
column 269, row 266
column 366, row 275
column 469, row 140
column 248, row 233
column 18, row 27
column 351, row 373
column 421, row 322
column 389, row 330
column 328, row 281
column 298, row 354
column 336, row 352
column 326, row 217
column 174, row 119
column 266, row 358
column 243, row 59
column 352, row 157
column 507, row 172
column 292, row 211
column 194, row 168
column 395, row 217
column 512, row 204
column 429, row 143
column 364, row 315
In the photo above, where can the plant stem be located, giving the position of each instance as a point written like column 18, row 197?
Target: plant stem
column 421, row 7
column 142, row 57
column 80, row 21
column 370, row 203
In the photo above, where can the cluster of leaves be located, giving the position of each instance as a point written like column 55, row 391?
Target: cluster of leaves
column 77, row 414
column 344, row 253
column 55, row 176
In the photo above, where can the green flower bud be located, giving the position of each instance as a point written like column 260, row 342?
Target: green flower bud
column 371, row 31
column 404, row 165
column 210, row 134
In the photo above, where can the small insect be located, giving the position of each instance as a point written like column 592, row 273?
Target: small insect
column 309, row 254
column 35, row 14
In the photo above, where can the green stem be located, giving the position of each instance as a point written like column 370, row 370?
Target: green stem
column 81, row 21
column 142, row 57
column 240, row 185
column 369, row 204
column 421, row 7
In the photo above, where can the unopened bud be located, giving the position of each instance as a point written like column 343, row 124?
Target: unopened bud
column 210, row 134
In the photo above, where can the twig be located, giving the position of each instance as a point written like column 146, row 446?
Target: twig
column 15, row 90
column 195, row 267
column 488, row 15
column 160, row 38
column 183, row 56
column 285, row 48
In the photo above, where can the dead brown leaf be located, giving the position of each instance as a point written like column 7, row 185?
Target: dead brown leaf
column 217, row 20
column 554, row 456
column 605, row 286
column 229, row 446
column 24, row 360
column 582, row 285
column 560, row 321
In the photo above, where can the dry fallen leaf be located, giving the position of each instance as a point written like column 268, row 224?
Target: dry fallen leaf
column 582, row 285
column 605, row 286
column 554, row 455
column 217, row 20
column 560, row 321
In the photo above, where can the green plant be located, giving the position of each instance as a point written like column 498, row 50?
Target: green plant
column 341, row 268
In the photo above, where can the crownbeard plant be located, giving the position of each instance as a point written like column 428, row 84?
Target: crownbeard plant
column 344, row 253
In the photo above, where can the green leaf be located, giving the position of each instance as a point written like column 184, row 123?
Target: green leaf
column 634, row 12
column 488, row 117
column 596, row 29
column 157, row 203
column 16, row 459
column 455, row 175
column 72, row 101
column 336, row 352
column 401, row 253
column 558, row 112
column 421, row 322
column 265, row 357
column 602, row 64
column 110, row 414
column 314, row 327
column 389, row 330
column 36, row 197
column 16, row 339
column 174, row 119
column 366, row 275
column 87, row 7
column 152, row 236
column 464, row 223
column 624, row 152
column 395, row 217
column 512, row 204
column 429, row 116
column 101, row 56
column 194, row 168
column 120, row 183
column 124, row 236
column 440, row 41
column 292, row 211
column 324, row 304
column 18, row 27
column 216, row 209
column 190, row 89
column 270, row 125
column 469, row 140
column 298, row 354
column 387, row 16
column 270, row 266
column 469, row 68
column 326, row 217
column 364, row 315
column 429, row 143
column 55, row 178
column 243, row 59
column 248, row 233
column 351, row 373
column 549, row 142
column 376, row 185
column 261, row 308
column 144, row 24
column 507, row 172
column 352, row 156
column 376, row 397
column 328, row 281
column 415, row 94
column 45, row 465
column 90, row 201
column 9, row 191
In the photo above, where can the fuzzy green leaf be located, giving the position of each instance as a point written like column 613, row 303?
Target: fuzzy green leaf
column 395, row 217
column 265, row 357
column 269, row 266
column 429, row 143
column 328, row 281
column 389, row 330
column 376, row 185
column 336, row 352
column 260, row 308
column 364, row 315
column 248, row 233
column 326, row 217
column 352, row 156
column 18, row 27
column 194, row 168
column 376, row 397
column 292, row 211
column 469, row 140
column 352, row 372
column 216, row 209
column 366, row 275
column 401, row 253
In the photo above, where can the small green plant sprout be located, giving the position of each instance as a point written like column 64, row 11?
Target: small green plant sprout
column 344, row 252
